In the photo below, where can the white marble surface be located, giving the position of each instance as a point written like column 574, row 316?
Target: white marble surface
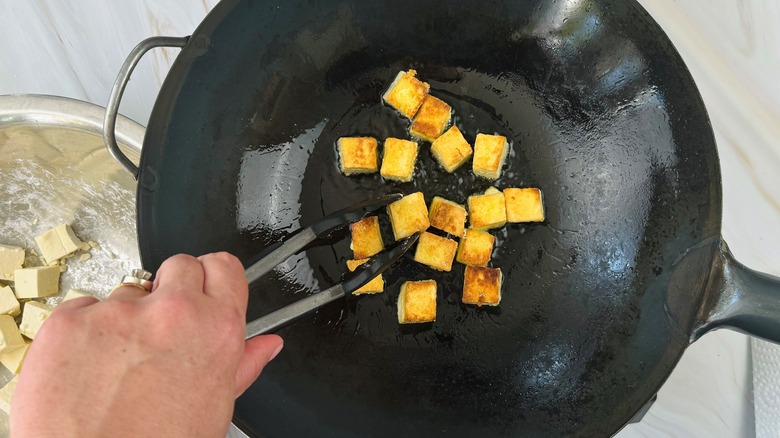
column 732, row 48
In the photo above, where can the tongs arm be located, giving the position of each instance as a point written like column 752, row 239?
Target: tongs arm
column 362, row 275
column 276, row 254
column 271, row 257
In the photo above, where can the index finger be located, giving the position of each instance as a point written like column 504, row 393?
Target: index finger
column 224, row 279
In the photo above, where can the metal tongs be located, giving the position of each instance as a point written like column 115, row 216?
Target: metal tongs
column 274, row 255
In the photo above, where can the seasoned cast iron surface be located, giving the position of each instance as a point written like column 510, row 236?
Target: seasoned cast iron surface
column 598, row 300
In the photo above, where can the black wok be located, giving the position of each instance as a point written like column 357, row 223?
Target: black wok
column 600, row 300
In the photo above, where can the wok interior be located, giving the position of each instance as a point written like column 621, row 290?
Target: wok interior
column 601, row 115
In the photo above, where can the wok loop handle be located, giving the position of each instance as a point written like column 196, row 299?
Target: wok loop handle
column 122, row 78
column 749, row 301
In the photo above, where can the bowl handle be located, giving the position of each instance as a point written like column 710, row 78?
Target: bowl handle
column 112, row 108
column 744, row 300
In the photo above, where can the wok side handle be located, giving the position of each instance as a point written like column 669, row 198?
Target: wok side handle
column 747, row 301
column 122, row 78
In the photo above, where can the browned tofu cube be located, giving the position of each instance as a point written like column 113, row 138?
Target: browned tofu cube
column 408, row 215
column 375, row 286
column 357, row 155
column 417, row 302
column 487, row 211
column 433, row 117
column 398, row 159
column 475, row 248
column 482, row 286
column 406, row 93
column 451, row 149
column 435, row 251
column 447, row 216
column 524, row 205
column 489, row 155
column 366, row 237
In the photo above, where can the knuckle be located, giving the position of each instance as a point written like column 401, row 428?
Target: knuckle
column 182, row 258
column 224, row 258
column 228, row 257
column 177, row 262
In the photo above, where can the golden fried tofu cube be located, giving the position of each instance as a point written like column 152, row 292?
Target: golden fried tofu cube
column 482, row 286
column 366, row 237
column 406, row 93
column 451, row 149
column 490, row 152
column 475, row 248
column 375, row 286
column 408, row 215
column 435, row 251
column 398, row 159
column 524, row 205
column 433, row 117
column 487, row 211
column 417, row 302
column 447, row 216
column 357, row 155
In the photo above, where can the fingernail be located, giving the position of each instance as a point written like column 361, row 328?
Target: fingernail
column 276, row 353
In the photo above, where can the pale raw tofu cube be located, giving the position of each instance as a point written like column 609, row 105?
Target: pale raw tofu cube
column 475, row 248
column 487, row 211
column 72, row 294
column 375, row 286
column 489, row 155
column 10, row 338
column 358, row 155
column 58, row 242
column 524, row 205
column 9, row 305
column 433, row 117
column 408, row 215
column 482, row 286
column 417, row 302
column 406, row 93
column 435, row 251
column 447, row 216
column 451, row 149
column 14, row 359
column 34, row 315
column 11, row 259
column 37, row 282
column 366, row 237
column 492, row 190
column 6, row 394
column 398, row 159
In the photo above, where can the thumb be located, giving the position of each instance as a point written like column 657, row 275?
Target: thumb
column 258, row 351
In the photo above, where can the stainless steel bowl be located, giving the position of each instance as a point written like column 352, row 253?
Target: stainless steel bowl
column 55, row 169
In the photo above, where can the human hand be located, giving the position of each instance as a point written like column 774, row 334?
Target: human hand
column 169, row 363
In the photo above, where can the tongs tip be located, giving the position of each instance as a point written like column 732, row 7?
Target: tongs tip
column 378, row 264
